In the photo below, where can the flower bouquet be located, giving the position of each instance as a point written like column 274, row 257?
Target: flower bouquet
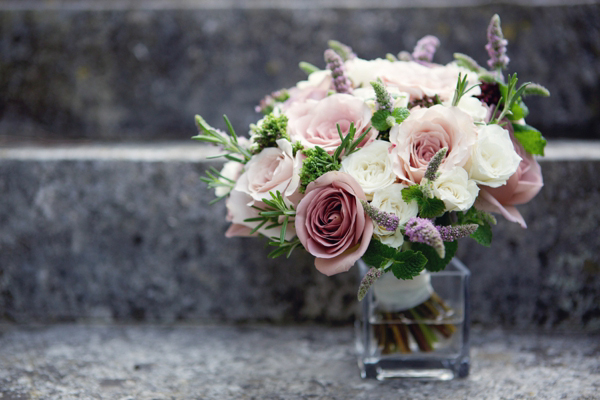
column 389, row 161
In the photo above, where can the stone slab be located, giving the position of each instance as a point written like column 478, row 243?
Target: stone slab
column 140, row 70
column 268, row 362
column 125, row 233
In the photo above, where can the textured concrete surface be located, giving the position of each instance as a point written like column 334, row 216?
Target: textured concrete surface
column 267, row 362
column 140, row 70
column 126, row 233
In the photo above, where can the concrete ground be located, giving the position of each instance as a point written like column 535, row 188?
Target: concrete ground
column 96, row 361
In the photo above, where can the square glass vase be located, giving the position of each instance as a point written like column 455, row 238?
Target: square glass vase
column 415, row 329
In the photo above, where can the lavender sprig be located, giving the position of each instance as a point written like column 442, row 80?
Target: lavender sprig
column 384, row 100
column 335, row 63
column 431, row 173
column 367, row 281
column 342, row 50
column 425, row 49
column 496, row 46
column 422, row 230
column 452, row 233
column 387, row 221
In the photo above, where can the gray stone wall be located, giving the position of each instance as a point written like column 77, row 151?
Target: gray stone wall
column 139, row 70
column 117, row 239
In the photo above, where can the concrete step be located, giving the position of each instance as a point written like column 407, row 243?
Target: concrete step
column 267, row 362
column 125, row 233
column 140, row 69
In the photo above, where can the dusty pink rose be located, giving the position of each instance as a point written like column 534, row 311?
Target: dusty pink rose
column 521, row 187
column 331, row 222
column 273, row 169
column 314, row 123
column 426, row 131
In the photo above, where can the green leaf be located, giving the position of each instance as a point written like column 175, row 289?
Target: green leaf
column 411, row 193
column 532, row 140
column 518, row 111
column 308, row 68
column 378, row 254
column 434, row 262
column 483, row 235
column 431, row 208
column 378, row 120
column 400, row 114
column 408, row 264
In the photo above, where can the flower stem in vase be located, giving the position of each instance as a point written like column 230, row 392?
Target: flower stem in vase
column 416, row 329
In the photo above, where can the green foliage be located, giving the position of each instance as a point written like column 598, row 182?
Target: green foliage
column 463, row 60
column 348, row 145
column 233, row 150
column 461, row 89
column 317, row 163
column 429, row 207
column 404, row 264
column 287, row 247
column 379, row 120
column 511, row 99
column 214, row 179
column 530, row 138
column 434, row 262
column 272, row 129
column 483, row 234
column 308, row 68
column 276, row 213
column 518, row 110
column 535, row 89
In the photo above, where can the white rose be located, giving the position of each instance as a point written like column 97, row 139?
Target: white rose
column 371, row 167
column 390, row 200
column 363, row 72
column 493, row 157
column 472, row 106
column 455, row 189
column 231, row 170
column 314, row 79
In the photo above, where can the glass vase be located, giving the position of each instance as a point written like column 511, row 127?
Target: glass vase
column 415, row 329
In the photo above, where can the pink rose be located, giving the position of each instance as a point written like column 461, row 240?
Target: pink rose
column 331, row 222
column 315, row 88
column 273, row 169
column 521, row 187
column 314, row 123
column 424, row 133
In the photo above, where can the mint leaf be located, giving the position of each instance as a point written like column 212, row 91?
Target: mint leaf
column 408, row 264
column 434, row 262
column 378, row 254
column 378, row 120
column 532, row 140
column 430, row 208
column 411, row 193
column 483, row 234
column 400, row 114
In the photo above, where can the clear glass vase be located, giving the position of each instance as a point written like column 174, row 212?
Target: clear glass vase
column 415, row 329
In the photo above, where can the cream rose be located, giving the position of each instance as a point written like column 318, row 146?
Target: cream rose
column 455, row 189
column 371, row 167
column 273, row 169
column 493, row 157
column 424, row 133
column 314, row 123
column 389, row 199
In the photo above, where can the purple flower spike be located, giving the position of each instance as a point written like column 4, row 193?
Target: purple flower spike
column 368, row 281
column 452, row 233
column 422, row 230
column 387, row 221
column 335, row 63
column 496, row 46
column 425, row 49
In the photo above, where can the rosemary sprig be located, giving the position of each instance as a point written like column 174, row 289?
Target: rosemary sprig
column 276, row 213
column 215, row 179
column 233, row 150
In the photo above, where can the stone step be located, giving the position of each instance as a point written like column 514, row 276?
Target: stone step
column 125, row 233
column 140, row 70
column 71, row 361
